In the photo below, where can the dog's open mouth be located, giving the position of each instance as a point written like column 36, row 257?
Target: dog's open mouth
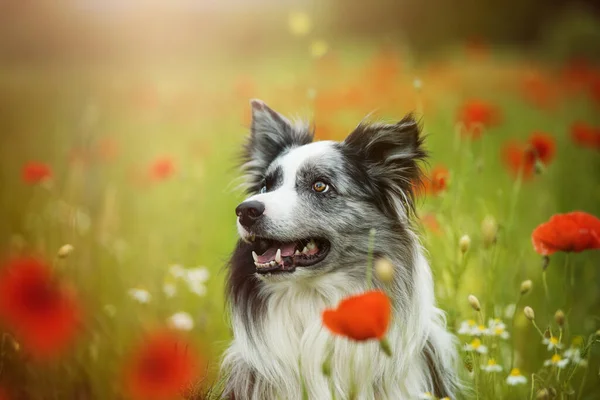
column 275, row 256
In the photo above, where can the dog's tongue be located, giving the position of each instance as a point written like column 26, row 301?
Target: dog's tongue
column 287, row 249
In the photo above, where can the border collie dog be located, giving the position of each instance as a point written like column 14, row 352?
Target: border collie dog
column 305, row 231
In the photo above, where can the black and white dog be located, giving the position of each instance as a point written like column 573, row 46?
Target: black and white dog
column 304, row 246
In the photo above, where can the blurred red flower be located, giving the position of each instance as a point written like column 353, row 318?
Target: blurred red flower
column 161, row 367
column 107, row 149
column 35, row 172
column 437, row 181
column 3, row 395
column 361, row 317
column 540, row 147
column 430, row 221
column 476, row 48
column 43, row 312
column 161, row 169
column 585, row 135
column 477, row 114
column 571, row 232
column 539, row 91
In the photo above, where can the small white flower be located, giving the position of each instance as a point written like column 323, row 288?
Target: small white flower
column 479, row 330
column 466, row 327
column 169, row 289
column 552, row 343
column 497, row 328
column 509, row 311
column 515, row 378
column 181, row 321
column 140, row 295
column 557, row 361
column 476, row 345
column 177, row 271
column 492, row 366
column 196, row 277
column 574, row 355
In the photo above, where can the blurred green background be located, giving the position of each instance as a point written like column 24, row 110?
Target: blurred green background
column 102, row 91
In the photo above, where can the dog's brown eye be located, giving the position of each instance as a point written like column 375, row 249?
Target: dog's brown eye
column 320, row 187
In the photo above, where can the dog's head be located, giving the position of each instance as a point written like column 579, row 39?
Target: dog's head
column 312, row 205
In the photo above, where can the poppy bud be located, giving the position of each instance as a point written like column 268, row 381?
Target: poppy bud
column 385, row 346
column 543, row 394
column 474, row 302
column 529, row 313
column 545, row 262
column 559, row 317
column 384, row 270
column 464, row 243
column 64, row 251
column 326, row 367
column 489, row 230
column 598, row 332
column 525, row 286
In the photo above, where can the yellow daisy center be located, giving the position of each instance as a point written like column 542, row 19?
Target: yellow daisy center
column 499, row 330
column 476, row 343
column 491, row 362
column 471, row 322
column 515, row 372
column 554, row 340
column 556, row 358
column 481, row 327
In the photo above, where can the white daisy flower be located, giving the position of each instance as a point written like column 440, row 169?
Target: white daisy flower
column 181, row 321
column 476, row 345
column 552, row 343
column 515, row 378
column 466, row 327
column 479, row 330
column 140, row 295
column 557, row 361
column 492, row 366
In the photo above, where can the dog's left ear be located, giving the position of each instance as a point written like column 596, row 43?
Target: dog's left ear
column 270, row 135
column 391, row 154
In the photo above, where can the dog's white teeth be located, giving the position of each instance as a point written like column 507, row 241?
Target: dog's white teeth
column 278, row 256
column 255, row 256
column 297, row 253
column 272, row 263
column 305, row 250
column 311, row 245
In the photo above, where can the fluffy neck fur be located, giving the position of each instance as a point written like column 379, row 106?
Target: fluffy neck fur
column 287, row 342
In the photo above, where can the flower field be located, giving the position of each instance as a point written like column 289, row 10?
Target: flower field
column 118, row 190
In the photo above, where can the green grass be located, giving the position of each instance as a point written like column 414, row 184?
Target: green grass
column 195, row 116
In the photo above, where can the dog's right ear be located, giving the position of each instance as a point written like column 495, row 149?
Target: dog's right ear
column 270, row 135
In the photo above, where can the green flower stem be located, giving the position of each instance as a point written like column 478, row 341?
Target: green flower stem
column 512, row 336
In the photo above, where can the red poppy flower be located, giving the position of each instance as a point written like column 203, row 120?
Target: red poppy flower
column 161, row 367
column 42, row 312
column 585, row 135
column 362, row 317
column 162, row 169
column 518, row 157
column 575, row 231
column 477, row 114
column 3, row 395
column 437, row 182
column 35, row 172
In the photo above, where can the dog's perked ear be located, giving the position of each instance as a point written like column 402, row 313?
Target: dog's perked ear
column 391, row 155
column 270, row 135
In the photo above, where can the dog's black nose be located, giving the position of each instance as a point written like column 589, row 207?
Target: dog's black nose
column 249, row 212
